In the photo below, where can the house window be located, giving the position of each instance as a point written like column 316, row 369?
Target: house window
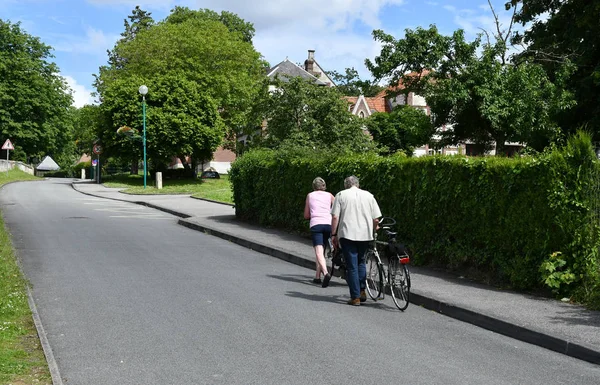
column 361, row 114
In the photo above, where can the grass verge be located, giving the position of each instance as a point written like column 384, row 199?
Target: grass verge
column 214, row 189
column 22, row 359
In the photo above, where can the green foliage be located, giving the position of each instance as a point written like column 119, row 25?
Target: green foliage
column 350, row 84
column 300, row 113
column 559, row 32
column 233, row 22
column 87, row 126
column 555, row 273
column 512, row 220
column 34, row 100
column 181, row 119
column 471, row 89
column 401, row 130
column 201, row 74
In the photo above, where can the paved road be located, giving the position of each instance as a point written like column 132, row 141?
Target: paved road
column 129, row 297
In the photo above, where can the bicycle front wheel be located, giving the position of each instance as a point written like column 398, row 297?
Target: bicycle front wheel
column 374, row 276
column 400, row 283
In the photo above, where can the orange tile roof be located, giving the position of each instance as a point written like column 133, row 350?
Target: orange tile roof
column 400, row 86
column 378, row 103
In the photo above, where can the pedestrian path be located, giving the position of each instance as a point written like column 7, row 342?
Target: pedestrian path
column 562, row 327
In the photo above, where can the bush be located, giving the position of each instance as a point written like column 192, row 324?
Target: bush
column 512, row 220
column 57, row 174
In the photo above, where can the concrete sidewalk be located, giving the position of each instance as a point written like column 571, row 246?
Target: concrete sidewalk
column 558, row 326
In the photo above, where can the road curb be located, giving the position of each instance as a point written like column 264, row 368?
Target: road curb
column 481, row 320
column 496, row 325
column 52, row 365
column 252, row 245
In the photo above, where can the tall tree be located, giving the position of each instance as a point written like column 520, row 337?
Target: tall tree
column 404, row 129
column 300, row 113
column 472, row 89
column 350, row 84
column 34, row 100
column 213, row 75
column 87, row 125
column 560, row 32
column 233, row 22
column 139, row 20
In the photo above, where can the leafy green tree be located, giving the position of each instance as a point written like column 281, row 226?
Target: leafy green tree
column 139, row 20
column 350, row 84
column 34, row 100
column 300, row 113
column 87, row 124
column 233, row 22
column 471, row 89
column 560, row 32
column 404, row 129
column 181, row 119
column 212, row 72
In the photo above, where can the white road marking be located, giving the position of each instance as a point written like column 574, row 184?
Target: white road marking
column 139, row 216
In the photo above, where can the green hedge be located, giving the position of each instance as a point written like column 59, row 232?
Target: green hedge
column 528, row 222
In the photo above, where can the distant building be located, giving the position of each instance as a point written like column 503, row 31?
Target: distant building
column 47, row 165
column 365, row 107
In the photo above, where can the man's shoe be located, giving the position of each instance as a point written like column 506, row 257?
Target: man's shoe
column 317, row 280
column 354, row 302
column 363, row 296
column 326, row 280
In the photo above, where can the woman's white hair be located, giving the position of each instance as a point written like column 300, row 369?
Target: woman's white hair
column 351, row 181
column 319, row 184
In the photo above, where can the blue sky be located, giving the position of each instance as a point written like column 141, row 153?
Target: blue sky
column 80, row 31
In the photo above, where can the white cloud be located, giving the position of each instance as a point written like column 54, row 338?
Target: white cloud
column 474, row 21
column 94, row 42
column 288, row 28
column 81, row 95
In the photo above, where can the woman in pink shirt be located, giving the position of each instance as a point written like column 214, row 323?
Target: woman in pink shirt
column 318, row 209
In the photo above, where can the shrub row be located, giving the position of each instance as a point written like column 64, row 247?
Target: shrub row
column 528, row 222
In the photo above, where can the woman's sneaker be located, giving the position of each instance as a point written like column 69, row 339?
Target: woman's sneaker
column 326, row 280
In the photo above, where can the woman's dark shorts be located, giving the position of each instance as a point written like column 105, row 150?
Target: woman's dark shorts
column 320, row 234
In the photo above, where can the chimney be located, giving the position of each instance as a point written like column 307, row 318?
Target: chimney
column 309, row 63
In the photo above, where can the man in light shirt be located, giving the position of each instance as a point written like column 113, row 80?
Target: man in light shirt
column 355, row 218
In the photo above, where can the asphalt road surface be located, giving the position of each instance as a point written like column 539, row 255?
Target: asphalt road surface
column 127, row 296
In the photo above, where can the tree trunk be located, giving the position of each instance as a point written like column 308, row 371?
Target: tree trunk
column 134, row 167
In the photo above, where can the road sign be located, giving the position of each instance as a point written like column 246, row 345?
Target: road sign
column 8, row 145
column 97, row 149
column 94, row 162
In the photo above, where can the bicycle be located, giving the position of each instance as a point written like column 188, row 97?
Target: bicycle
column 397, row 279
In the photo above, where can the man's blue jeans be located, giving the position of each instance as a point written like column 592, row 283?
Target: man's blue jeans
column 356, row 269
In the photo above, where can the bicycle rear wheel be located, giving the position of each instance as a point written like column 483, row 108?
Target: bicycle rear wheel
column 374, row 276
column 400, row 283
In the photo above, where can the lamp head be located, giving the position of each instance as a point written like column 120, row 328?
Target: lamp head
column 143, row 90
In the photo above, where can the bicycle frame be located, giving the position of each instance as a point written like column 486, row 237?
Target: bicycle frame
column 396, row 278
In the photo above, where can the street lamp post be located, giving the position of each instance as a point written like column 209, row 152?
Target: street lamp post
column 143, row 91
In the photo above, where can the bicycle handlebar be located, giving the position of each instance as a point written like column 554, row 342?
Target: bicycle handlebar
column 386, row 222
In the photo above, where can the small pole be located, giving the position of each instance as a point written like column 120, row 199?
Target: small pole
column 144, row 113
column 98, row 168
column 7, row 164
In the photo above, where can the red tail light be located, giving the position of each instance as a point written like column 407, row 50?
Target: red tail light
column 404, row 260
